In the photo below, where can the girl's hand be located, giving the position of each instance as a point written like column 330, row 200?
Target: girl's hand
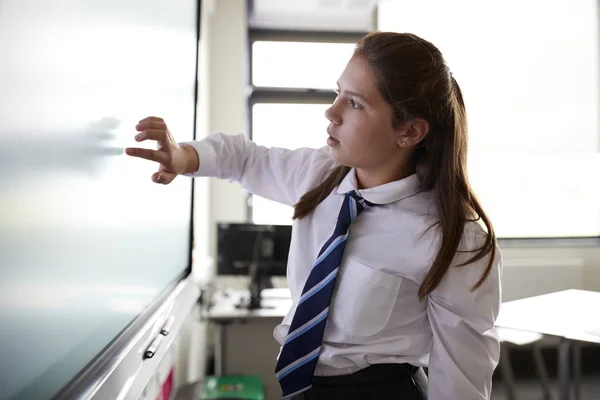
column 174, row 159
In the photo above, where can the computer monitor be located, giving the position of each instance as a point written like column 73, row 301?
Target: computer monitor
column 259, row 251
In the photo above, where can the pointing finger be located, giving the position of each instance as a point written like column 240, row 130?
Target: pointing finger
column 147, row 154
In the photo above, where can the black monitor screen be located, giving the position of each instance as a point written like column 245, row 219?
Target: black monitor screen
column 239, row 245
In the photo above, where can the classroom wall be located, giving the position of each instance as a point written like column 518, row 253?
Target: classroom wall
column 221, row 107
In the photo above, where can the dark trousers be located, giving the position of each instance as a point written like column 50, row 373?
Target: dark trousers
column 377, row 382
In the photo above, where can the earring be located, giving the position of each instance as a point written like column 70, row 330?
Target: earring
column 403, row 144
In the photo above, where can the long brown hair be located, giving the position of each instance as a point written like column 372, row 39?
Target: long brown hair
column 414, row 79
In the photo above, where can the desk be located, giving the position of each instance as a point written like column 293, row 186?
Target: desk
column 571, row 315
column 223, row 311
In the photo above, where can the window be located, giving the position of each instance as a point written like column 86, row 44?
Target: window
column 293, row 77
column 272, row 126
column 531, row 93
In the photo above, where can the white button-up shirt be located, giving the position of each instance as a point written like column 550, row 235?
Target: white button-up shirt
column 376, row 315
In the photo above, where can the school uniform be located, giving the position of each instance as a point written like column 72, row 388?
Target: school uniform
column 376, row 320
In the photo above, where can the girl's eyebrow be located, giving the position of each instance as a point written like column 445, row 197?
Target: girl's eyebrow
column 352, row 93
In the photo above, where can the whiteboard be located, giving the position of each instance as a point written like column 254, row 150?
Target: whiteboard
column 87, row 240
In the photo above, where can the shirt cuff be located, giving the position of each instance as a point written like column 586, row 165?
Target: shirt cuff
column 207, row 159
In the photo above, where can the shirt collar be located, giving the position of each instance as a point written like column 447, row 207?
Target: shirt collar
column 383, row 194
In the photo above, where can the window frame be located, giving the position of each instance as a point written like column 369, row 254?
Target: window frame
column 281, row 95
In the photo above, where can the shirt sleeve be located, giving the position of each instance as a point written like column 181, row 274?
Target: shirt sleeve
column 465, row 349
column 277, row 174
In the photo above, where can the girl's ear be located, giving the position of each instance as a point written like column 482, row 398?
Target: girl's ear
column 413, row 132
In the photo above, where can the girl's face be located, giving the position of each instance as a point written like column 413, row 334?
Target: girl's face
column 360, row 129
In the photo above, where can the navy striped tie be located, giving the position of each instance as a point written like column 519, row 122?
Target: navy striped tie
column 300, row 352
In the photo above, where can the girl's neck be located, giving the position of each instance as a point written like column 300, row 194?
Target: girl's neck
column 366, row 179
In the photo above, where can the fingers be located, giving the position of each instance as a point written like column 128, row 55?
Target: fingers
column 147, row 154
column 151, row 134
column 153, row 128
column 151, row 124
column 163, row 177
column 154, row 119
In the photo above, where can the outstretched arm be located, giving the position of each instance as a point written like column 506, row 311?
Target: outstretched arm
column 278, row 174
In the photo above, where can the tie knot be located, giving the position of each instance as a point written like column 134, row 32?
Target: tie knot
column 354, row 204
column 360, row 200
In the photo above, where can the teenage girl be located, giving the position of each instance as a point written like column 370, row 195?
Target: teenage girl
column 393, row 262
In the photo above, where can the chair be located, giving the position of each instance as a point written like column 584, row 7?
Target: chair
column 510, row 338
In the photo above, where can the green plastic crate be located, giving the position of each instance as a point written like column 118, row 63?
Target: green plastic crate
column 232, row 387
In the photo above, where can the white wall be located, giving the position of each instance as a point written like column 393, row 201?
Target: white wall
column 532, row 271
column 221, row 107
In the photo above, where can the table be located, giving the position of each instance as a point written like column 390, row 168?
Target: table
column 223, row 311
column 572, row 315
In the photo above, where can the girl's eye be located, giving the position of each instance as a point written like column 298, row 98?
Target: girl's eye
column 354, row 104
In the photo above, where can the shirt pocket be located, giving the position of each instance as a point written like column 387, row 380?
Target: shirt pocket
column 364, row 299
